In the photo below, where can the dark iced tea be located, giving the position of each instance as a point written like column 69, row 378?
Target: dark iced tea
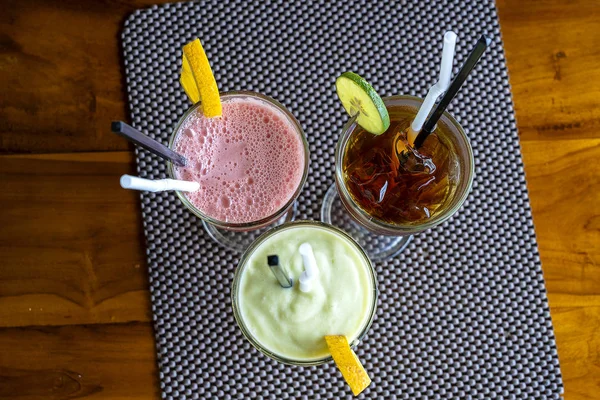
column 394, row 183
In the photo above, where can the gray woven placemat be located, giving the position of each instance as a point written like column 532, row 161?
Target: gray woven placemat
column 463, row 311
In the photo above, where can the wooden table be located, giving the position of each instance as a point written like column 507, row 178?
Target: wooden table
column 74, row 304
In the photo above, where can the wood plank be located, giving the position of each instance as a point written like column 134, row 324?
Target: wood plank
column 71, row 241
column 62, row 89
column 107, row 361
column 563, row 178
column 62, row 76
column 117, row 361
column 553, row 53
column 578, row 339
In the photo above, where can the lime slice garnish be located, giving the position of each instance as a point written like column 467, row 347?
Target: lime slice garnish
column 360, row 99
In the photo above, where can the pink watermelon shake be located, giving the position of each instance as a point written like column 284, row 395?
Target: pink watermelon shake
column 250, row 163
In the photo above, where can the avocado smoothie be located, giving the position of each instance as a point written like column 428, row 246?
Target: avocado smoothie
column 289, row 324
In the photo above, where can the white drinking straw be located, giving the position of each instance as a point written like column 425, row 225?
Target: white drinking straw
column 310, row 267
column 160, row 185
column 438, row 89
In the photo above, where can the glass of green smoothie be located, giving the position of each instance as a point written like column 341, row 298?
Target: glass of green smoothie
column 289, row 324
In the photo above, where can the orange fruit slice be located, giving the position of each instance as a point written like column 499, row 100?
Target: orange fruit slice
column 348, row 363
column 206, row 84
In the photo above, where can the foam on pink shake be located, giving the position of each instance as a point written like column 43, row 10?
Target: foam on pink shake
column 249, row 162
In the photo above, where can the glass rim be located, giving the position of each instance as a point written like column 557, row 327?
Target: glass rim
column 347, row 131
column 280, row 211
column 248, row 253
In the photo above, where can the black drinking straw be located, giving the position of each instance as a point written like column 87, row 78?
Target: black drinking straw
column 454, row 87
column 145, row 141
column 277, row 270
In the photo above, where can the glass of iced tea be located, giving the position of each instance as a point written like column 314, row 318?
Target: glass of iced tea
column 391, row 191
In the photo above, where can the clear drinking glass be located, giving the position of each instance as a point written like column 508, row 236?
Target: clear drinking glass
column 380, row 239
column 235, row 295
column 237, row 236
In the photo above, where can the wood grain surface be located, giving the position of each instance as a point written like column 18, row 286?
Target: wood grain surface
column 74, row 302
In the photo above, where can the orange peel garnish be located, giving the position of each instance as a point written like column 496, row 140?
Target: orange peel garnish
column 186, row 79
column 348, row 363
column 205, row 83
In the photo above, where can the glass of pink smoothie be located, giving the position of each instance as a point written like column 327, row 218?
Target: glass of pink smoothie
column 251, row 164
